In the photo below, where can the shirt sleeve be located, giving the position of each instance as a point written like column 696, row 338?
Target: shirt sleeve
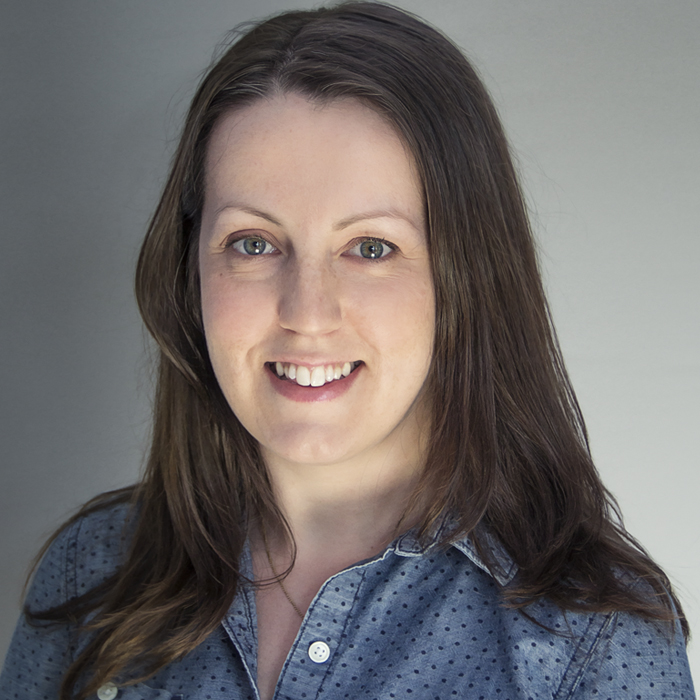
column 638, row 659
column 40, row 653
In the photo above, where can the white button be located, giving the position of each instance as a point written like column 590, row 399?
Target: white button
column 108, row 691
column 318, row 652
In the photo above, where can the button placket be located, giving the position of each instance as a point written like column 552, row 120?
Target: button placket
column 321, row 636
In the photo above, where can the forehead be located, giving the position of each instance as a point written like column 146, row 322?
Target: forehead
column 287, row 114
column 341, row 151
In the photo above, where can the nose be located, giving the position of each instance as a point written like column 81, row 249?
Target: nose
column 309, row 303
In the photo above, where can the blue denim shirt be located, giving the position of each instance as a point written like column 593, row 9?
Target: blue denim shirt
column 411, row 623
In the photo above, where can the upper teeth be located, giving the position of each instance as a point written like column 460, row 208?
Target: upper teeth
column 312, row 376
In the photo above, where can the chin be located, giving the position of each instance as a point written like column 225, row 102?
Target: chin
column 308, row 446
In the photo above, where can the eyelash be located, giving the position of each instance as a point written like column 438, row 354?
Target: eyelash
column 232, row 242
column 359, row 241
column 355, row 244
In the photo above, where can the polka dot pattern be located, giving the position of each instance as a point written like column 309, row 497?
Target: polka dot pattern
column 410, row 623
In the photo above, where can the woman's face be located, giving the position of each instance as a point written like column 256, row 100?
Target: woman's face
column 314, row 266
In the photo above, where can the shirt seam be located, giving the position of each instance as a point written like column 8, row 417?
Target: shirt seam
column 71, row 582
column 573, row 683
column 233, row 637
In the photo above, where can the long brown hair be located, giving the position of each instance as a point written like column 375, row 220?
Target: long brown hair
column 508, row 451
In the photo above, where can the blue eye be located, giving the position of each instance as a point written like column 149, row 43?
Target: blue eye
column 371, row 249
column 253, row 246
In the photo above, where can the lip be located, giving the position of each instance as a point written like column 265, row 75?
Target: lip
column 307, row 394
column 308, row 361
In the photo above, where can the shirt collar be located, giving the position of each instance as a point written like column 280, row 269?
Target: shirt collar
column 503, row 568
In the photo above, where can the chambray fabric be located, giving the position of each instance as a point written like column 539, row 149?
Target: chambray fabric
column 411, row 623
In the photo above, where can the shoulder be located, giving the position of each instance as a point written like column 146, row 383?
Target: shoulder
column 616, row 654
column 84, row 554
column 637, row 656
column 576, row 655
column 634, row 657
column 609, row 655
column 579, row 654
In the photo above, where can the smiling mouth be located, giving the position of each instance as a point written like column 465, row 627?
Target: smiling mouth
column 312, row 376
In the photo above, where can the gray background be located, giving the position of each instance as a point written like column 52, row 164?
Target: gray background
column 601, row 101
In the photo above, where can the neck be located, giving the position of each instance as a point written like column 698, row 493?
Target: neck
column 354, row 508
column 343, row 507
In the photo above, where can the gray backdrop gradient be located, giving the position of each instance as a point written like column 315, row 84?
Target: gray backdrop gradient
column 601, row 100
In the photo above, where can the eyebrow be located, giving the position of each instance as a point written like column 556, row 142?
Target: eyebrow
column 376, row 214
column 342, row 224
column 249, row 210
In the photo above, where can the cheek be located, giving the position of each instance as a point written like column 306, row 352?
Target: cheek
column 234, row 315
column 399, row 314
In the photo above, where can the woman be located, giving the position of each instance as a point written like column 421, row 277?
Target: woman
column 369, row 475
